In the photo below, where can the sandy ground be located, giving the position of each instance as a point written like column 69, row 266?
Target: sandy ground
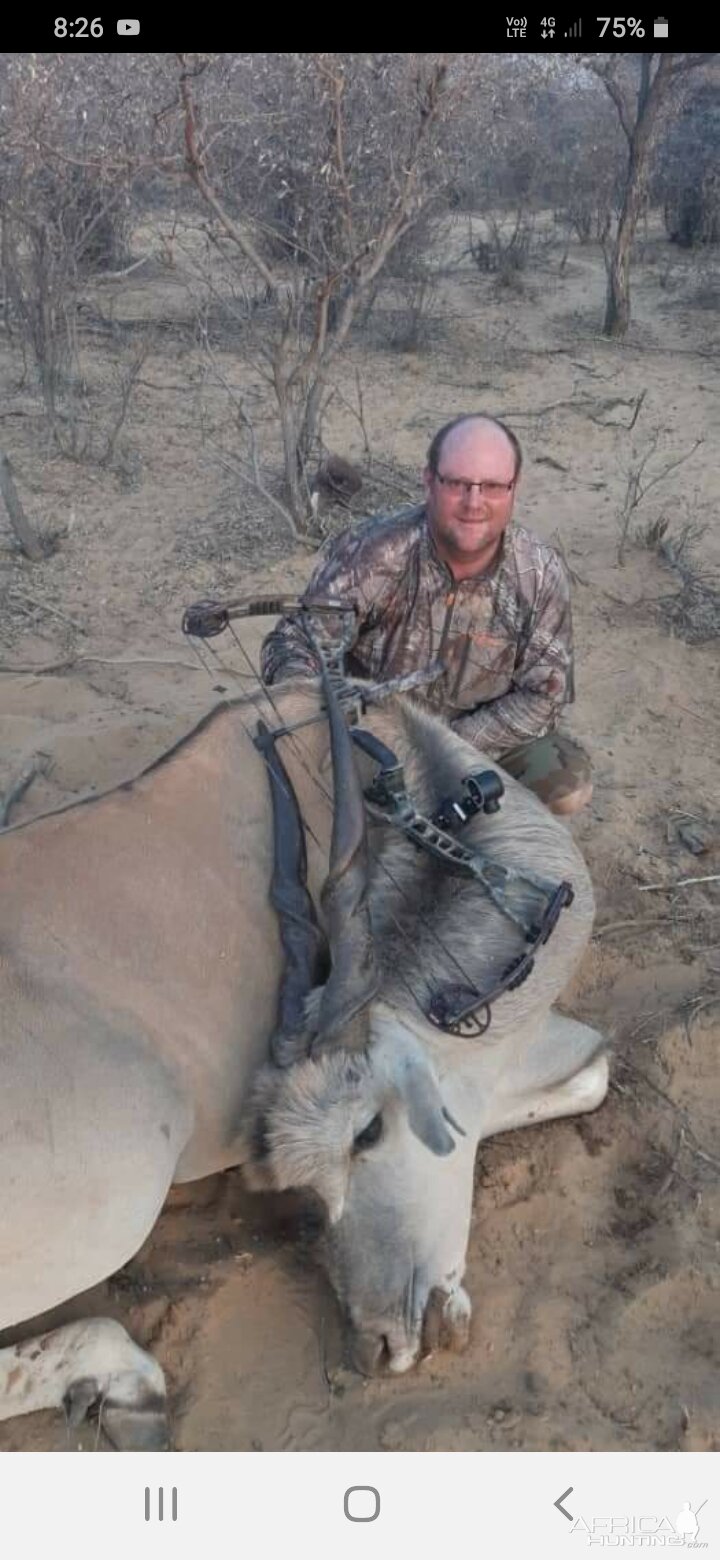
column 593, row 1257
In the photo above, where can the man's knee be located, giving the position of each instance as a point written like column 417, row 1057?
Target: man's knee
column 573, row 802
column 557, row 769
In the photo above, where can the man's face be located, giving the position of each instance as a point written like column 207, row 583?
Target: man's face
column 467, row 524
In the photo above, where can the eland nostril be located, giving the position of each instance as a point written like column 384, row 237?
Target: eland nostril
column 375, row 1353
column 445, row 1324
column 369, row 1352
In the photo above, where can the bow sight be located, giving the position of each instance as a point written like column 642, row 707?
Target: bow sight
column 481, row 791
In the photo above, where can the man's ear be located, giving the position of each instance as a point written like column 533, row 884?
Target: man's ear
column 427, row 477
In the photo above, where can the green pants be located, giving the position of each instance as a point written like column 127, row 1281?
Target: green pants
column 553, row 767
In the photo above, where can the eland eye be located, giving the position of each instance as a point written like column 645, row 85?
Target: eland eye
column 369, row 1136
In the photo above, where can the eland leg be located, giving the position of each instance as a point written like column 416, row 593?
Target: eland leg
column 92, row 1126
column 87, row 1364
column 565, row 1072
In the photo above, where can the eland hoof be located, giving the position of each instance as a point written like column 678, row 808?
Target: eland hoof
column 106, row 1372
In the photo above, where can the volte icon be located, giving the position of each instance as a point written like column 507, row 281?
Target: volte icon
column 160, row 1512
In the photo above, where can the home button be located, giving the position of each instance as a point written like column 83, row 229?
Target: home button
column 362, row 1503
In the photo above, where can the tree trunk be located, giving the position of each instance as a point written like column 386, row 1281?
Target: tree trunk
column 30, row 543
column 310, row 419
column 300, row 397
column 297, row 497
column 617, row 307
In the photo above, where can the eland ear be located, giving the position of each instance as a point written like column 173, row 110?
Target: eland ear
column 426, row 1113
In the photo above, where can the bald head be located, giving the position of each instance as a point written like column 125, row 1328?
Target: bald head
column 474, row 429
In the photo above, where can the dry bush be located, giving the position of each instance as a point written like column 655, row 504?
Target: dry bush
column 687, row 184
column 312, row 168
column 415, row 321
column 65, row 213
column 504, row 249
column 691, row 612
column 409, row 319
column 692, row 211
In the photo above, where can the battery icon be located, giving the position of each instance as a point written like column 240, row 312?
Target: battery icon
column 660, row 27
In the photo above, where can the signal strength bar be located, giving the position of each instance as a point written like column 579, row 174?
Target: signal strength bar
column 575, row 31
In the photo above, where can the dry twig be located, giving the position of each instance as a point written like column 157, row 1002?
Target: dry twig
column 49, row 667
column 632, row 924
column 44, row 606
column 689, row 1140
column 638, row 487
column 667, row 888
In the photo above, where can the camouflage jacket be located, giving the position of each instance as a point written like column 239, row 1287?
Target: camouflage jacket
column 504, row 638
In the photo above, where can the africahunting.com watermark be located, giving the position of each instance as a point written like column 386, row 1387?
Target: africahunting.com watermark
column 646, row 1532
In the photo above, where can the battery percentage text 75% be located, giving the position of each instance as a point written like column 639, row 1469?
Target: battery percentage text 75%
column 620, row 26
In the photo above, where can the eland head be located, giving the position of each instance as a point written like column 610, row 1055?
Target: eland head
column 363, row 1102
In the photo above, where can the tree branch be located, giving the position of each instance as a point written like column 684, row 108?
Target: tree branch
column 604, row 72
column 690, row 62
column 195, row 164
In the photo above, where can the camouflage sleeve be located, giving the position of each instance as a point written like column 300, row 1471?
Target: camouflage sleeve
column 286, row 651
column 543, row 680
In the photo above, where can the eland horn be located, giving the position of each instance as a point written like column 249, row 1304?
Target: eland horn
column 304, row 945
column 353, row 978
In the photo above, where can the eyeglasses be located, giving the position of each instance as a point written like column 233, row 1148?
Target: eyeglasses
column 457, row 486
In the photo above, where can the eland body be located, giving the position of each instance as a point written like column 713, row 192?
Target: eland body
column 141, row 963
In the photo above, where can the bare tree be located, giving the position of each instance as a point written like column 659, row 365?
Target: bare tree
column 645, row 90
column 65, row 213
column 313, row 167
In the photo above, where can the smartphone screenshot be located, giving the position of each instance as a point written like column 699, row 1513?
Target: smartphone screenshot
column 359, row 829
